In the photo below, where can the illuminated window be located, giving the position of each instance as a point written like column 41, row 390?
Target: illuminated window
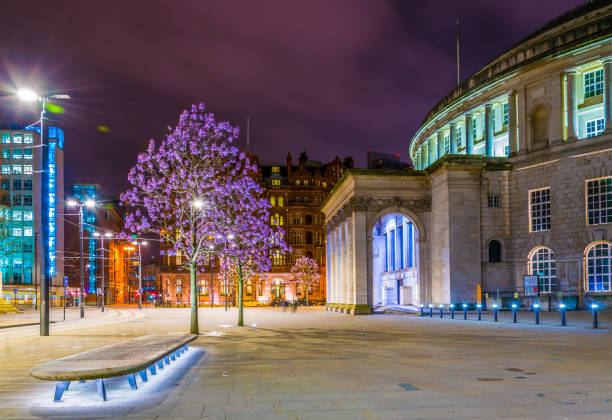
column 28, row 138
column 17, row 215
column 446, row 144
column 17, row 138
column 599, row 257
column 272, row 201
column 281, row 220
column 593, row 83
column 599, row 201
column 297, row 182
column 459, row 137
column 305, row 182
column 280, row 201
column 27, row 169
column 17, row 232
column 276, row 182
column 325, row 185
column 17, row 154
column 27, row 231
column 505, row 118
column 27, row 216
column 542, row 263
column 474, row 129
column 6, row 153
column 6, row 138
column 539, row 207
column 275, row 169
column 27, row 154
column 595, row 127
column 17, row 169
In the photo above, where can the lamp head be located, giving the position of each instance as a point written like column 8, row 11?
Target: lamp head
column 452, row 305
column 71, row 203
column 96, row 234
column 479, row 306
column 536, row 305
column 27, row 95
column 198, row 204
column 594, row 306
column 464, row 305
column 108, row 234
column 430, row 305
column 562, row 306
column 90, row 203
column 494, row 306
column 514, row 305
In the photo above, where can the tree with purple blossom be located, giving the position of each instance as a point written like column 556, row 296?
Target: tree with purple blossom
column 306, row 274
column 196, row 191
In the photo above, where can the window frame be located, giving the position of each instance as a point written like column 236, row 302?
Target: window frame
column 541, row 217
column 595, row 258
column 546, row 281
column 596, row 84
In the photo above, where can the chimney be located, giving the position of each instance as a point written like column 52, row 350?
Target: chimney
column 289, row 168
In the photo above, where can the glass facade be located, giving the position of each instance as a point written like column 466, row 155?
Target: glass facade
column 83, row 193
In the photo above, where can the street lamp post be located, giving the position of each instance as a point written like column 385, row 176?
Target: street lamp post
column 139, row 243
column 88, row 203
column 29, row 95
column 101, row 236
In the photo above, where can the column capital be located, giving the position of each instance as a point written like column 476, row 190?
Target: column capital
column 571, row 71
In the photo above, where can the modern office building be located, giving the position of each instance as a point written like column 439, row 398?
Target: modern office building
column 20, row 201
column 512, row 192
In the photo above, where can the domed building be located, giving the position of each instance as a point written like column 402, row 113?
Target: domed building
column 511, row 196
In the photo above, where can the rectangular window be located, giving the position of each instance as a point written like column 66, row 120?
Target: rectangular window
column 27, row 247
column 17, row 138
column 6, row 169
column 493, row 201
column 16, row 184
column 539, row 207
column 27, row 154
column 27, row 231
column 474, row 129
column 505, row 114
column 593, row 83
column 6, row 138
column 17, row 200
column 27, row 169
column 506, row 150
column 17, row 232
column 27, row 216
column 17, row 169
column 27, row 184
column 6, row 184
column 27, row 200
column 392, row 256
column 17, row 154
column 28, row 138
column 386, row 253
column 446, row 144
column 459, row 137
column 599, row 201
column 6, row 153
column 400, row 246
column 276, row 182
column 595, row 127
column 275, row 169
column 17, row 215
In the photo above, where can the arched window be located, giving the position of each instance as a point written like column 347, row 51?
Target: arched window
column 280, row 201
column 495, row 251
column 598, row 265
column 272, row 201
column 542, row 263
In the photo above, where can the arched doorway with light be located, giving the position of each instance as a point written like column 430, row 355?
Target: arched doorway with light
column 395, row 279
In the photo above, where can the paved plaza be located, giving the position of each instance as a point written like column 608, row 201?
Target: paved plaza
column 314, row 364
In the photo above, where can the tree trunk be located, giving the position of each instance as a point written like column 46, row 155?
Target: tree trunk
column 194, row 329
column 240, row 311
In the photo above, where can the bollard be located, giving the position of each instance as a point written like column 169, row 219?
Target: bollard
column 536, row 308
column 430, row 310
column 452, row 309
column 514, row 313
column 479, row 306
column 441, row 311
column 594, row 308
column 495, row 312
column 422, row 313
column 562, row 307
column 464, row 311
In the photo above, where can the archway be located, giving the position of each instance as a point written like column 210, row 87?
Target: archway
column 395, row 271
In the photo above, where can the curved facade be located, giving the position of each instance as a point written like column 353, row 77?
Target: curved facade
column 511, row 195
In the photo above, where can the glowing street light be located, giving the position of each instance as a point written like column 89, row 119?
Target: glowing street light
column 27, row 95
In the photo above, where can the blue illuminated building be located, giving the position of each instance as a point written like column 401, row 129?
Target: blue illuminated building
column 84, row 192
column 20, row 177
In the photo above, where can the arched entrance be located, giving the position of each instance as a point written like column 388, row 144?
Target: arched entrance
column 395, row 261
column 277, row 291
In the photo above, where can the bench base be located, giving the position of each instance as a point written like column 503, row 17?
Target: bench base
column 62, row 386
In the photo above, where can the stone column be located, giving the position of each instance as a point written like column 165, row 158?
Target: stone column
column 570, row 99
column 488, row 128
column 453, row 138
column 339, row 270
column 469, row 135
column 350, row 278
column 431, row 150
column 425, row 159
column 607, row 95
column 328, row 269
column 345, row 270
column 360, row 262
column 521, row 118
column 512, row 134
column 417, row 164
column 440, row 143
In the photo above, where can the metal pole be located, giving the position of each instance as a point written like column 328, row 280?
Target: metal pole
column 139, row 278
column 212, row 290
column 562, row 306
column 103, row 292
column 44, row 201
column 81, row 303
column 36, row 295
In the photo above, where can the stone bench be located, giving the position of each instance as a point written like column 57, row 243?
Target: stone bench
column 120, row 359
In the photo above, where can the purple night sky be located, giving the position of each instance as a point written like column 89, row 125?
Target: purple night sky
column 331, row 77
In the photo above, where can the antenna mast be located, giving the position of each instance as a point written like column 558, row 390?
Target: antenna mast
column 458, row 74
